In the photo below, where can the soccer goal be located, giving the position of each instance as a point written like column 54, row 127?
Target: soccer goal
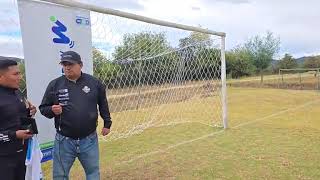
column 157, row 73
column 300, row 78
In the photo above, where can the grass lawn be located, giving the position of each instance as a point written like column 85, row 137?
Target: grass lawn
column 273, row 134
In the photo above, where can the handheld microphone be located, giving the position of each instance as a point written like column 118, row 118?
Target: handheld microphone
column 54, row 97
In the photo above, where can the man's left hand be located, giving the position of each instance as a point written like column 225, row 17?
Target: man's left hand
column 105, row 131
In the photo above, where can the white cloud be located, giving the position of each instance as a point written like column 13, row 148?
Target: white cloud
column 295, row 21
column 11, row 46
column 9, row 17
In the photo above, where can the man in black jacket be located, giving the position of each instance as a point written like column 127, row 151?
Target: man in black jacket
column 72, row 101
column 12, row 111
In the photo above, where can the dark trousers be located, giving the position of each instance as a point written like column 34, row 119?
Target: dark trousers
column 12, row 167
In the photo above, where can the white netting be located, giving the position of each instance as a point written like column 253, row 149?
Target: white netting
column 156, row 75
column 303, row 78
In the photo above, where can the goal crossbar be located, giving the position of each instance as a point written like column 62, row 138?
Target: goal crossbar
column 104, row 10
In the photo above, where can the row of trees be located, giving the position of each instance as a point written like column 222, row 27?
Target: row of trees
column 147, row 58
column 256, row 56
column 288, row 62
column 253, row 57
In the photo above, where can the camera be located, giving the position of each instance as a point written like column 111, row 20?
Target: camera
column 28, row 123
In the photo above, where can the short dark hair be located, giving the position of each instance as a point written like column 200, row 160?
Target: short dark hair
column 5, row 63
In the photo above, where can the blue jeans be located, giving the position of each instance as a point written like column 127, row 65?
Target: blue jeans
column 66, row 150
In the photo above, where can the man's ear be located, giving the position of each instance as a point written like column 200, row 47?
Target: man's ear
column 2, row 74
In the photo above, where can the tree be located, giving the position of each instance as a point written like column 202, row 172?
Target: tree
column 239, row 63
column 287, row 62
column 262, row 50
column 198, row 57
column 141, row 45
column 23, row 85
column 102, row 68
column 206, row 65
column 146, row 58
column 196, row 39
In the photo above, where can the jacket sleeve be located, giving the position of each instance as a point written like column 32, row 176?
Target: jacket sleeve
column 103, row 105
column 7, row 136
column 47, row 101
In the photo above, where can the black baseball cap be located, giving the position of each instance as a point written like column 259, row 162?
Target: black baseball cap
column 5, row 63
column 71, row 57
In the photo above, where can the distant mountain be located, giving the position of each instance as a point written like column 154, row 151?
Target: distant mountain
column 301, row 60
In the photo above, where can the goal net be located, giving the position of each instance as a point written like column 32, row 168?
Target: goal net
column 300, row 78
column 156, row 73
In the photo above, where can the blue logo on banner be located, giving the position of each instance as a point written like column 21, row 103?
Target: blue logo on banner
column 59, row 30
column 47, row 154
column 82, row 21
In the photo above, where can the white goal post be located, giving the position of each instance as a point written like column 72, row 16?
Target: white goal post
column 299, row 76
column 157, row 73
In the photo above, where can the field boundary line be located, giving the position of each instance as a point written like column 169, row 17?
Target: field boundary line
column 215, row 133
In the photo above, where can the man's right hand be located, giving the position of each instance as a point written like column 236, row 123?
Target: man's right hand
column 23, row 134
column 56, row 109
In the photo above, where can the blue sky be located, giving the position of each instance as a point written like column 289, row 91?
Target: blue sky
column 295, row 22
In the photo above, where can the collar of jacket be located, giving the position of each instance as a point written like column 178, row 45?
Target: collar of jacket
column 74, row 81
column 7, row 89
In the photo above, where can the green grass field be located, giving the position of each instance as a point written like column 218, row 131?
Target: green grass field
column 273, row 134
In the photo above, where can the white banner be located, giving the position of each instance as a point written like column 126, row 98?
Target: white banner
column 47, row 31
